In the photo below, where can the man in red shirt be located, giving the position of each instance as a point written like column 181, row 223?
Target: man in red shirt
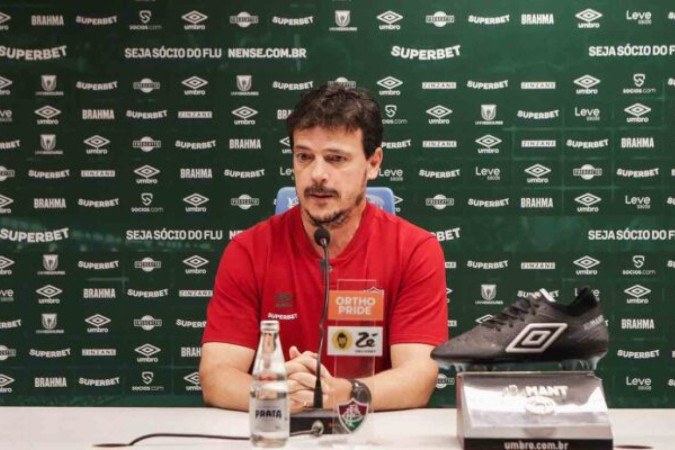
column 272, row 271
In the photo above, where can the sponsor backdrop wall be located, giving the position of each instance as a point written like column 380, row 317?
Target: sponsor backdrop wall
column 534, row 140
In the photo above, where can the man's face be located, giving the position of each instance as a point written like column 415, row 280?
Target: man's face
column 331, row 171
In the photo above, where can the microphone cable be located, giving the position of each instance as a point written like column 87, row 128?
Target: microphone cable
column 316, row 431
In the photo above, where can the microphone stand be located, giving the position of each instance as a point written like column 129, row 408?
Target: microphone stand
column 317, row 419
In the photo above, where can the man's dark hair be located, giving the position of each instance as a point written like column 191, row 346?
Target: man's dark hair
column 335, row 106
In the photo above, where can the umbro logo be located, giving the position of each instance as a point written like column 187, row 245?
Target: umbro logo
column 195, row 199
column 192, row 378
column 245, row 112
column 588, row 199
column 4, row 82
column 147, row 350
column 5, row 380
column 488, row 141
column 536, row 338
column 638, row 110
column 47, row 112
column 49, row 291
column 194, row 82
column 586, row 81
column 5, row 262
column 389, row 83
column 537, row 170
column 194, row 17
column 439, row 111
column 146, row 171
column 389, row 17
column 4, row 201
column 96, row 141
column 195, row 261
column 588, row 15
column 97, row 320
column 638, row 291
column 586, row 262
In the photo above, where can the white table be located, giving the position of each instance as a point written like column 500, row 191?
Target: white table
column 79, row 428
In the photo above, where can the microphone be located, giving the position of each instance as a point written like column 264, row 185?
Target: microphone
column 322, row 239
column 317, row 417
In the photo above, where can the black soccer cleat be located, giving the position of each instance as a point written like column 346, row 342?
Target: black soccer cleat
column 533, row 329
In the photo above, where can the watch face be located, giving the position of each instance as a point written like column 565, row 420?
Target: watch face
column 360, row 392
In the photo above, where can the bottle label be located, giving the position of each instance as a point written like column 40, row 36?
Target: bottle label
column 270, row 415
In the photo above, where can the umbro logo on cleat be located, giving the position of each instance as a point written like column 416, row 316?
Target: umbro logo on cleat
column 536, row 338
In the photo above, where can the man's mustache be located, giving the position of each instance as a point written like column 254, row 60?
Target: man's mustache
column 319, row 190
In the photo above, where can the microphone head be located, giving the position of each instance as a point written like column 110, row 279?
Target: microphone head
column 322, row 237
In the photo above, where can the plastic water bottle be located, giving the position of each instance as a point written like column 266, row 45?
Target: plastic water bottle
column 268, row 404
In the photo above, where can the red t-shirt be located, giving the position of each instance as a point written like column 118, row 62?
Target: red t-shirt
column 271, row 271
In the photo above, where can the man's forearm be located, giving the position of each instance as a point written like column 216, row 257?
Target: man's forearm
column 408, row 386
column 226, row 388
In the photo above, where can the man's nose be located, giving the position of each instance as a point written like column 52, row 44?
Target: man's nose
column 319, row 171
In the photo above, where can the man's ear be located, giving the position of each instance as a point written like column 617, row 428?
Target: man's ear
column 374, row 163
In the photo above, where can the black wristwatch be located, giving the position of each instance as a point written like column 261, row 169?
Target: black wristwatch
column 360, row 391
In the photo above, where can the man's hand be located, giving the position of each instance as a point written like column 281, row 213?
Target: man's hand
column 301, row 373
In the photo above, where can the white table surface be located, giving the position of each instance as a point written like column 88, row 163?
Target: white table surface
column 72, row 428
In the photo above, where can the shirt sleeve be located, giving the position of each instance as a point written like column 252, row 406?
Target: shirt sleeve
column 232, row 315
column 420, row 314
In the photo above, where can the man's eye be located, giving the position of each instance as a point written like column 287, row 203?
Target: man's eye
column 302, row 157
column 335, row 159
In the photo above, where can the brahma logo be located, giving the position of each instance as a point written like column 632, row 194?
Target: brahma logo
column 536, row 337
column 389, row 18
